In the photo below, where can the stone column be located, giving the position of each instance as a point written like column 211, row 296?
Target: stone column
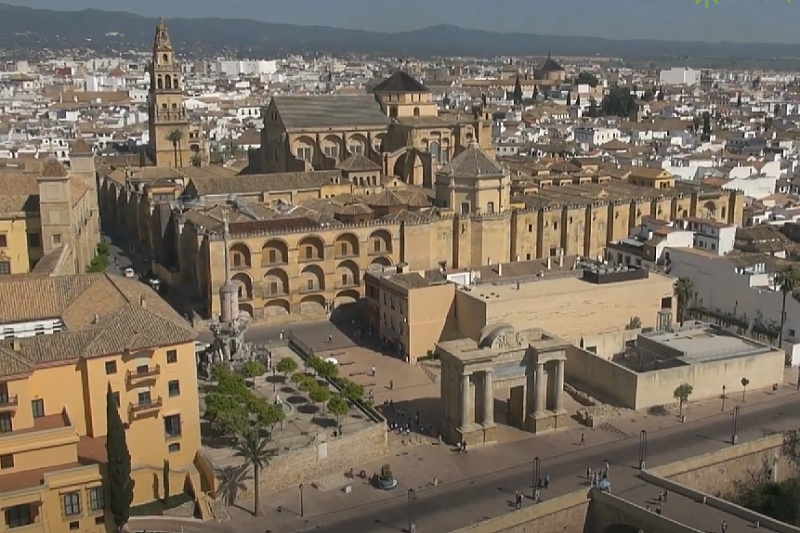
column 559, row 386
column 488, row 398
column 465, row 411
column 540, row 394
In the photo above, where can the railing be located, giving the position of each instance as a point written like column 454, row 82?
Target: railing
column 151, row 372
column 141, row 407
column 8, row 402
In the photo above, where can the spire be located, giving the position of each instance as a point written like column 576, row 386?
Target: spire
column 162, row 40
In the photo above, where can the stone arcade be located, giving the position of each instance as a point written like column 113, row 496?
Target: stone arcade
column 530, row 363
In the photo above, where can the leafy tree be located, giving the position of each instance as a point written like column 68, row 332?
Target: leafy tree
column 569, row 98
column 353, row 390
column 120, row 484
column 634, row 323
column 298, row 377
column 175, row 136
column 684, row 292
column 649, row 95
column 286, row 366
column 328, row 370
column 253, row 449
column 338, row 407
column 587, row 78
column 517, row 92
column 618, row 102
column 267, row 414
column 320, row 395
column 745, row 382
column 682, row 393
column 253, row 369
column 786, row 279
column 594, row 111
column 227, row 413
column 661, row 94
column 308, row 384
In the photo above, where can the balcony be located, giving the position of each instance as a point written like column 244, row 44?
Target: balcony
column 8, row 403
column 145, row 407
column 141, row 374
column 310, row 290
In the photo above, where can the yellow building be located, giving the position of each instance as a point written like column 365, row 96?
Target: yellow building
column 51, row 212
column 63, row 342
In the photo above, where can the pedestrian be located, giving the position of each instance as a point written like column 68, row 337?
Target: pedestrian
column 648, row 508
column 547, row 481
column 588, row 473
column 518, row 499
column 660, row 497
column 583, row 440
column 330, row 339
column 281, row 334
column 666, row 492
column 537, row 496
column 464, row 446
column 723, row 526
column 391, row 382
column 373, row 371
column 658, row 509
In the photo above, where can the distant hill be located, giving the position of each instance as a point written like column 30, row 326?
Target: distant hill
column 23, row 28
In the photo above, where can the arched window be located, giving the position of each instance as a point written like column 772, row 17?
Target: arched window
column 416, row 111
column 159, row 83
column 434, row 149
column 165, row 57
column 168, row 81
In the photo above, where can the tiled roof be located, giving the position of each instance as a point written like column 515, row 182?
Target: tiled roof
column 18, row 192
column 330, row 111
column 400, row 82
column 285, row 181
column 473, row 162
column 550, row 65
column 102, row 315
column 80, row 147
column 358, row 163
column 53, row 169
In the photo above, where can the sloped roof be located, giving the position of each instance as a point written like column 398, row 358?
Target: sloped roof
column 400, row 82
column 53, row 169
column 473, row 162
column 80, row 147
column 358, row 163
column 550, row 65
column 329, row 111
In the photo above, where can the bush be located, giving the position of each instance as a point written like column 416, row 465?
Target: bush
column 298, row 378
column 253, row 369
column 286, row 366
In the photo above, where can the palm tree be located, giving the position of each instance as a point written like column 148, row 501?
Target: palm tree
column 175, row 137
column 253, row 449
column 232, row 482
column 684, row 292
column 785, row 279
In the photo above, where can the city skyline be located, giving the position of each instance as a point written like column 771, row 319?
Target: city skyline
column 682, row 20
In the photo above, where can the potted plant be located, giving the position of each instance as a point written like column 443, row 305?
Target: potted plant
column 385, row 479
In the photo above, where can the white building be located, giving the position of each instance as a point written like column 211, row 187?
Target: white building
column 679, row 76
column 247, row 67
column 596, row 136
column 710, row 235
column 646, row 244
column 741, row 287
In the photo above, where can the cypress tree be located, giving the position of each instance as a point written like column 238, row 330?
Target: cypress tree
column 578, row 101
column 569, row 98
column 535, row 92
column 120, row 484
column 739, row 100
column 517, row 92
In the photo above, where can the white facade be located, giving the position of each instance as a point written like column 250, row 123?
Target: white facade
column 679, row 76
column 596, row 136
column 247, row 67
column 30, row 329
column 745, row 292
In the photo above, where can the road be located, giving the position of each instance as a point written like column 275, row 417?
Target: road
column 465, row 502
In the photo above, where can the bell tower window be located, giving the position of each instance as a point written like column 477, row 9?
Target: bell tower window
column 165, row 57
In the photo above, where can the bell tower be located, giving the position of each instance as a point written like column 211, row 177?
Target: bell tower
column 169, row 126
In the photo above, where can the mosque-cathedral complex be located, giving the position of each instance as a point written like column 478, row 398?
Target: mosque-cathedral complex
column 345, row 184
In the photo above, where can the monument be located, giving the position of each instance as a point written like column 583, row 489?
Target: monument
column 530, row 363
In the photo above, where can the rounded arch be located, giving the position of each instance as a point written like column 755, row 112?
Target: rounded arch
column 274, row 252
column 332, row 146
column 357, row 144
column 239, row 255
column 377, row 142
column 434, row 149
column 159, row 82
column 313, row 305
column 348, row 274
column 167, row 81
column 244, row 285
column 312, row 278
column 379, row 263
column 276, row 282
column 490, row 332
column 346, row 297
column 380, row 242
column 305, row 148
column 416, row 111
column 346, row 245
column 165, row 57
column 195, row 148
column 312, row 248
column 279, row 307
column 246, row 308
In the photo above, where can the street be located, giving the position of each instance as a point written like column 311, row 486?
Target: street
column 465, row 502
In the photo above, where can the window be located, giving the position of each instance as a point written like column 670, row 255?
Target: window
column 273, row 256
column 530, row 228
column 172, row 356
column 5, row 423
column 3, row 240
column 96, row 499
column 5, row 268
column 6, row 461
column 309, row 252
column 142, row 369
column 464, row 208
column 273, row 287
column 56, row 239
column 18, row 516
column 37, row 406
column 304, row 153
column 490, row 207
column 115, row 395
column 34, row 241
column 332, row 151
column 174, row 387
column 74, row 526
column 99, row 520
column 344, row 248
column 111, row 367
column 72, row 504
column 310, row 284
column 172, row 425
column 144, row 398
column 175, row 447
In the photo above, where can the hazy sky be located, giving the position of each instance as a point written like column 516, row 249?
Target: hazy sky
column 729, row 20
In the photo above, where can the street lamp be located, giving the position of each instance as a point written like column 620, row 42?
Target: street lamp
column 535, row 476
column 735, row 428
column 642, row 449
column 723, row 397
column 302, row 506
column 412, row 522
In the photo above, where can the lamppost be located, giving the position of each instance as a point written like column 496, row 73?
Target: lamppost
column 723, row 397
column 274, row 381
column 302, row 506
column 412, row 522
column 735, row 428
column 642, row 449
column 537, row 467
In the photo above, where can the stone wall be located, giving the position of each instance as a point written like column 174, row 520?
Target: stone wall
column 566, row 514
column 716, row 473
column 610, row 514
column 323, row 459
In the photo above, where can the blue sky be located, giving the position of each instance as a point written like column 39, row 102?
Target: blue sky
column 729, row 20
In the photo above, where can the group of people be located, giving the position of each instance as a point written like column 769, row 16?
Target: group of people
column 402, row 422
column 596, row 477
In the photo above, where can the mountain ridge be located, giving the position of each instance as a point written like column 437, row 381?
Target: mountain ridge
column 40, row 29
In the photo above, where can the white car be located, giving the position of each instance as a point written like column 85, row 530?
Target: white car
column 129, row 273
column 332, row 360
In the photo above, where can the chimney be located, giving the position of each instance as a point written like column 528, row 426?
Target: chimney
column 560, row 260
column 15, row 344
column 95, row 318
column 500, row 269
column 143, row 301
column 549, row 263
